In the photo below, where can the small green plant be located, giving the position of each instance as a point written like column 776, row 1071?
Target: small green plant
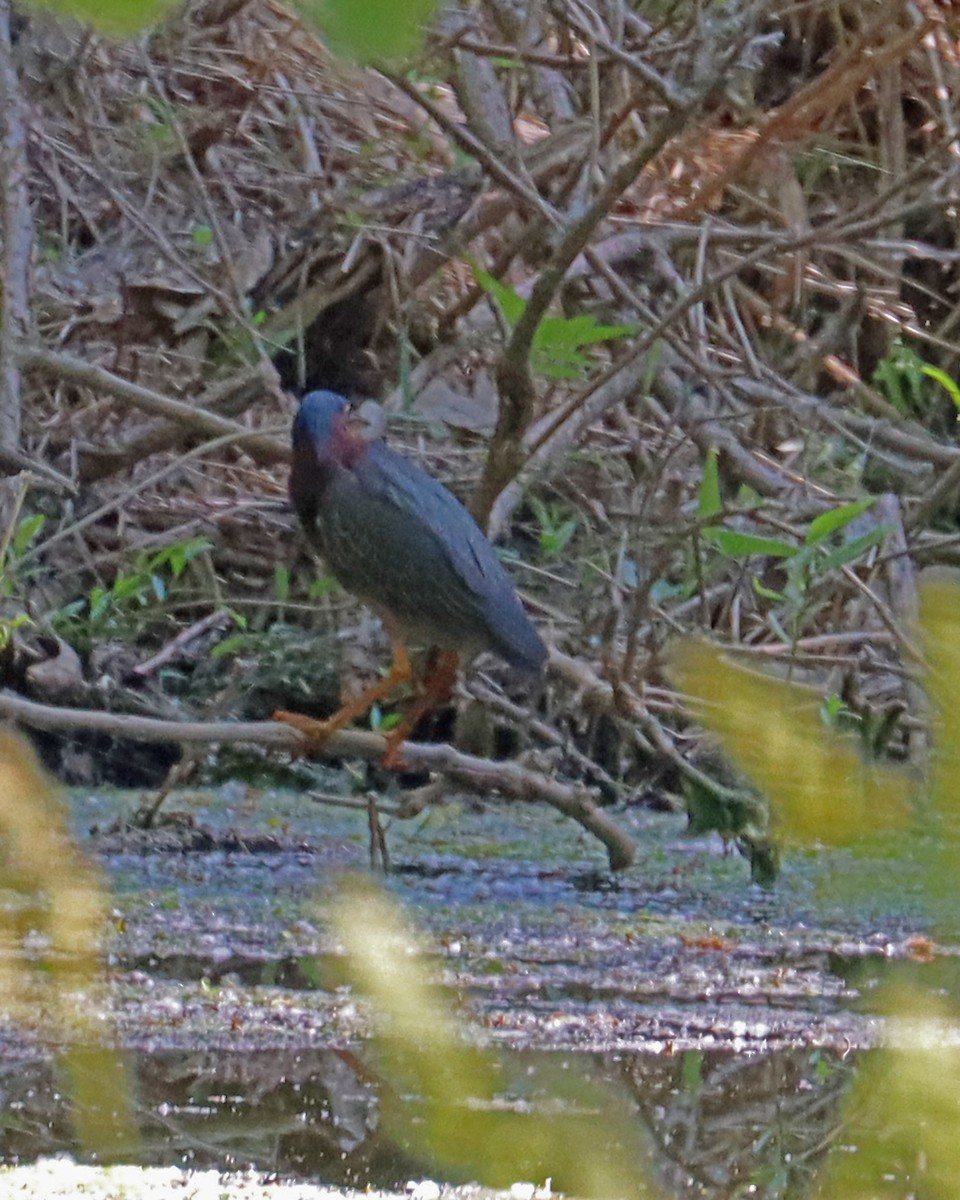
column 136, row 595
column 807, row 562
column 16, row 546
column 556, row 527
column 907, row 381
column 557, row 351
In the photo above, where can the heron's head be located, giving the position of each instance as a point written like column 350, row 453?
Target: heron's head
column 328, row 431
column 321, row 424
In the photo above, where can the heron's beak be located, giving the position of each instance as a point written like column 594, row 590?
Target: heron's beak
column 368, row 422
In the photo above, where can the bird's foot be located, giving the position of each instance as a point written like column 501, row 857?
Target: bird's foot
column 393, row 759
column 316, row 732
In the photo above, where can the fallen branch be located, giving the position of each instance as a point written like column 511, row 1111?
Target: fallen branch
column 200, row 423
column 478, row 774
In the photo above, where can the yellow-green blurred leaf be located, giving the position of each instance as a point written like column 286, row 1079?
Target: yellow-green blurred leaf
column 371, row 30
column 818, row 785
column 119, row 18
column 940, row 623
column 37, row 855
column 902, row 1113
column 446, row 1095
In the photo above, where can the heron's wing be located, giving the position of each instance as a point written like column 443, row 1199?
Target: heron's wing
column 397, row 538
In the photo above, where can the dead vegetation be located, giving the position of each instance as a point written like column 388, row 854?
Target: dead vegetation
column 758, row 203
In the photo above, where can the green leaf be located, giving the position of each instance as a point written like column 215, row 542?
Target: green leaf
column 511, row 305
column 556, row 348
column 322, row 587
column 202, row 235
column 371, row 30
column 118, row 18
column 742, row 545
column 229, row 645
column 710, row 502
column 946, row 381
column 99, row 602
column 555, row 352
column 554, row 541
column 281, row 582
column 27, row 530
column 836, row 518
column 900, row 376
column 852, row 550
column 69, row 611
column 128, row 586
column 765, row 592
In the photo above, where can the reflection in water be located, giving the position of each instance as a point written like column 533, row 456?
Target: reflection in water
column 720, row 1122
column 724, row 1121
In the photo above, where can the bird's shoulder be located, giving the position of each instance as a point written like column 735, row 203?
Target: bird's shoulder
column 428, row 504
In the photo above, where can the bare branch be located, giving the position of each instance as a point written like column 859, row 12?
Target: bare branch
column 478, row 774
column 17, row 237
column 71, row 369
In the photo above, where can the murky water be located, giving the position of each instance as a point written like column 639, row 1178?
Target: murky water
column 717, row 1121
column 732, row 1022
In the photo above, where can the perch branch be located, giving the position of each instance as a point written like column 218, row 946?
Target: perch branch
column 478, row 774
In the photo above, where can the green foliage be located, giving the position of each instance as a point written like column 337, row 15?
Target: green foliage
column 135, row 597
column 556, row 527
column 902, row 1109
column 709, row 499
column 15, row 575
column 364, row 30
column 371, row 30
column 118, row 18
column 556, row 352
column 903, row 377
column 808, row 562
column 946, row 382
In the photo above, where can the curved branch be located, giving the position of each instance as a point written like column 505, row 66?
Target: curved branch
column 479, row 774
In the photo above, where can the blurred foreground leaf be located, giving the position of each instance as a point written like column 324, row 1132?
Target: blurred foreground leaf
column 940, row 626
column 900, row 1136
column 819, row 787
column 51, row 888
column 371, row 30
column 466, row 1108
column 119, row 18
column 901, row 1117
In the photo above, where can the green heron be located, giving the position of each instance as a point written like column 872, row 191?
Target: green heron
column 403, row 544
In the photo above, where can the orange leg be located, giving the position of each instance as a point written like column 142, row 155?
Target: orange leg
column 437, row 689
column 317, row 732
